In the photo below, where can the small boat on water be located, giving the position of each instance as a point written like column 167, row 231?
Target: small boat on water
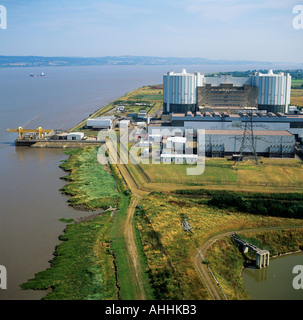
column 42, row 74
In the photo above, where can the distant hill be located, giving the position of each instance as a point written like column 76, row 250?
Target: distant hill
column 38, row 61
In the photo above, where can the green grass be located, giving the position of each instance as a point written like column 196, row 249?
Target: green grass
column 90, row 185
column 169, row 249
column 91, row 261
column 119, row 248
column 150, row 294
column 148, row 97
column 82, row 269
column 221, row 173
column 297, row 84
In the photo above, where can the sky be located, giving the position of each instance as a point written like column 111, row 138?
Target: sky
column 258, row 30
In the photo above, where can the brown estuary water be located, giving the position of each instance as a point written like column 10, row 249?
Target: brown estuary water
column 31, row 203
column 275, row 282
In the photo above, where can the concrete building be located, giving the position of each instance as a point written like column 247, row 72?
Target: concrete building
column 124, row 123
column 180, row 91
column 274, row 91
column 226, row 91
column 183, row 92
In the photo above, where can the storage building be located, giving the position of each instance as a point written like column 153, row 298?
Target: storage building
column 75, row 136
column 219, row 143
column 99, row 123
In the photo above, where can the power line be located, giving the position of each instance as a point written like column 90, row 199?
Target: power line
column 248, row 140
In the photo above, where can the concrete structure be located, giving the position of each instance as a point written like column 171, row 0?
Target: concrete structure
column 75, row 136
column 142, row 114
column 124, row 123
column 294, row 110
column 177, row 144
column 219, row 143
column 184, row 92
column 99, row 123
column 180, row 91
column 262, row 256
column 141, row 124
column 178, row 158
column 226, row 91
column 274, row 91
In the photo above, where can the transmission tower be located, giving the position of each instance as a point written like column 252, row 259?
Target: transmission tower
column 248, row 140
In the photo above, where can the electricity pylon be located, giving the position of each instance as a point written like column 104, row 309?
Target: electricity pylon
column 248, row 140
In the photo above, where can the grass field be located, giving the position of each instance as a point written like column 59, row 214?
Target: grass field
column 297, row 84
column 296, row 97
column 169, row 249
column 272, row 173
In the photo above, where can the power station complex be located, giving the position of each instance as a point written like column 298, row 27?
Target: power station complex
column 219, row 109
column 184, row 92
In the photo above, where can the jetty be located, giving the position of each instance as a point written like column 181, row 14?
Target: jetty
column 262, row 256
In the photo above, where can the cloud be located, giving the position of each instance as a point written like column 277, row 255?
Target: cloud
column 228, row 10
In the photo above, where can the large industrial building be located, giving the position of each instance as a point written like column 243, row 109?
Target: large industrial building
column 224, row 121
column 184, row 92
column 220, row 143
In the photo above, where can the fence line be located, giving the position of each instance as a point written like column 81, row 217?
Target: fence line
column 286, row 184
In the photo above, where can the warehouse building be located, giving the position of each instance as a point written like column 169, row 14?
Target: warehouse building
column 220, row 143
column 223, row 121
column 75, row 136
column 100, row 123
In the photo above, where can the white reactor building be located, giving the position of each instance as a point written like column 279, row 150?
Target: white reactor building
column 183, row 92
column 274, row 91
column 180, row 91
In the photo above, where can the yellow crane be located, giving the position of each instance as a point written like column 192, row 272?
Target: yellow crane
column 21, row 130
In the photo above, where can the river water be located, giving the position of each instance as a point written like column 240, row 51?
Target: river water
column 31, row 204
column 276, row 281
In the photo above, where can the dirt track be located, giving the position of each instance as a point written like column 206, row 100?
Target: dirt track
column 201, row 268
column 133, row 255
column 129, row 235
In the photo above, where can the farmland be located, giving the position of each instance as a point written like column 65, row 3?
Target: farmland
column 296, row 97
